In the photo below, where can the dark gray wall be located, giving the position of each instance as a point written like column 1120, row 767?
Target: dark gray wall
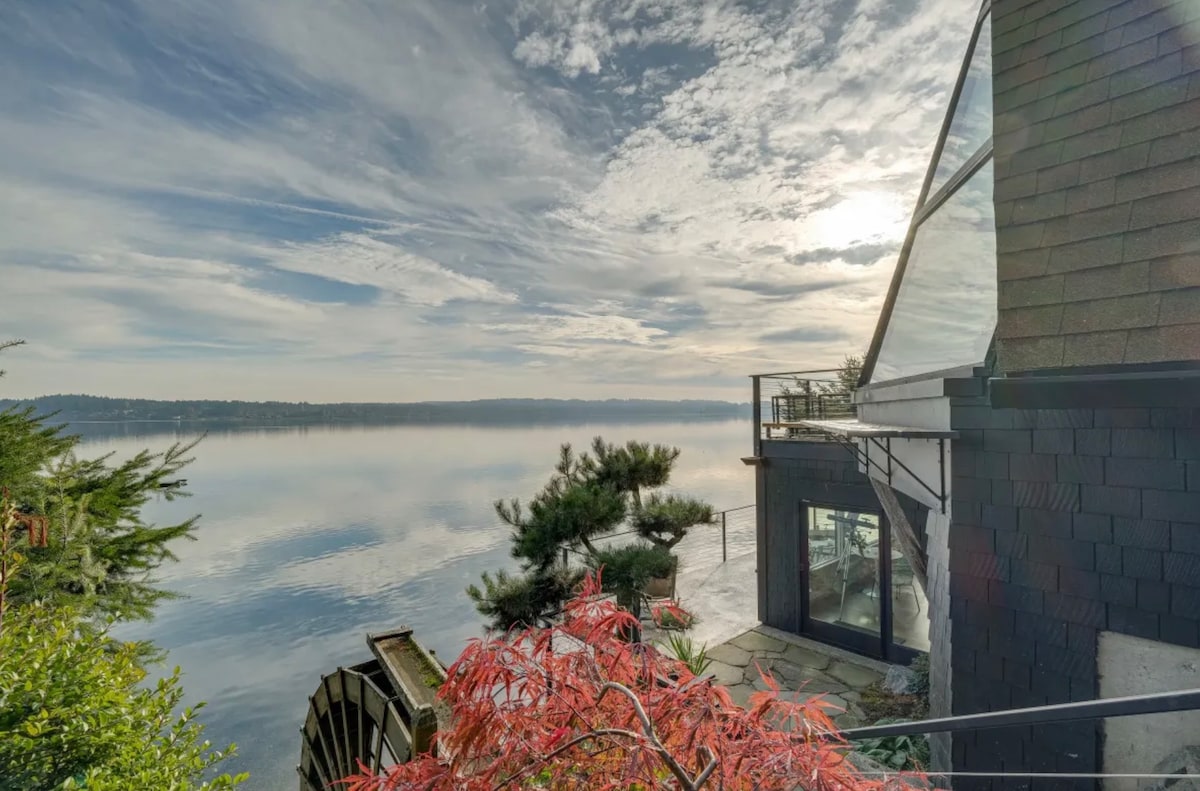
column 1065, row 522
column 793, row 472
column 1097, row 161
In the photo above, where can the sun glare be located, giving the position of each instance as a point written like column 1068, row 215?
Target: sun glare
column 862, row 217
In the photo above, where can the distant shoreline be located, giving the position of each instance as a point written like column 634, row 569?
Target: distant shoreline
column 100, row 410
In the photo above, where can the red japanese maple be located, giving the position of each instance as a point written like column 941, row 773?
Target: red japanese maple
column 575, row 707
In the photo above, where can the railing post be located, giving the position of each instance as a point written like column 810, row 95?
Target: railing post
column 756, row 407
column 566, row 562
column 724, row 553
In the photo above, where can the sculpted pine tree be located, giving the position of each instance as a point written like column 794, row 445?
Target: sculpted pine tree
column 587, row 498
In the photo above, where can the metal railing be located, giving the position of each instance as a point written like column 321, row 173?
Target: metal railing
column 781, row 400
column 1133, row 705
column 699, row 547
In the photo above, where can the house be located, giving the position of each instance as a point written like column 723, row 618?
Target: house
column 1016, row 487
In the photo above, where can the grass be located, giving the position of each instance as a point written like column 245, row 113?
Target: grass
column 686, row 651
column 430, row 675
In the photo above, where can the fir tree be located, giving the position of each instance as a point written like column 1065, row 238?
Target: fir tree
column 101, row 555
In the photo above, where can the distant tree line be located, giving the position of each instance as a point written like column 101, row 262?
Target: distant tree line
column 521, row 410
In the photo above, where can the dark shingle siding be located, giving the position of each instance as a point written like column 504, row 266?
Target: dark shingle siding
column 1112, row 153
column 1097, row 158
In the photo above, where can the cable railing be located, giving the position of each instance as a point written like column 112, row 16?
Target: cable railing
column 782, row 400
column 700, row 548
column 1106, row 708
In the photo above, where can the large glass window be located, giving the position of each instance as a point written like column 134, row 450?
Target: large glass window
column 971, row 125
column 843, row 569
column 945, row 310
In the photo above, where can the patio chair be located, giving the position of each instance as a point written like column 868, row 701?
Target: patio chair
column 902, row 576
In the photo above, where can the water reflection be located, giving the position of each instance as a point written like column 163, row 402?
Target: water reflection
column 312, row 536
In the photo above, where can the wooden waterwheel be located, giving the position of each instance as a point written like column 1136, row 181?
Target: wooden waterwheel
column 378, row 713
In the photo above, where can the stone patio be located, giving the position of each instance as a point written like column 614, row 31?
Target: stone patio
column 798, row 666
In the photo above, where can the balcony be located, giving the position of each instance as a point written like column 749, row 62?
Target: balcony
column 782, row 400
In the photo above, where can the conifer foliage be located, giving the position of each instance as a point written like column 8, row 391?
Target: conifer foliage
column 101, row 554
column 76, row 556
column 588, row 497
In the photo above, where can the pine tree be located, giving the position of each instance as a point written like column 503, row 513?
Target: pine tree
column 101, row 555
column 587, row 498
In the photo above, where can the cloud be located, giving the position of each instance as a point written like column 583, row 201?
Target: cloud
column 361, row 259
column 378, row 201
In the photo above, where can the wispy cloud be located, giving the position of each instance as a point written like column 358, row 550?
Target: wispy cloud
column 368, row 200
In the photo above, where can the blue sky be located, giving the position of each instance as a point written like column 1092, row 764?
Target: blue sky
column 319, row 200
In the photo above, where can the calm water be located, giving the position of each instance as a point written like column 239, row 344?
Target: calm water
column 311, row 537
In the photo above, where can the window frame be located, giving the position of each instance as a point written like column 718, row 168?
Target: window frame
column 927, row 204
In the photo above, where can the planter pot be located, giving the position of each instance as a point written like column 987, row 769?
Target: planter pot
column 416, row 676
column 662, row 587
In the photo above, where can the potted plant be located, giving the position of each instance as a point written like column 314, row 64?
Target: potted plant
column 664, row 522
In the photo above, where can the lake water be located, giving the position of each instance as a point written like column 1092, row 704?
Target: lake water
column 311, row 537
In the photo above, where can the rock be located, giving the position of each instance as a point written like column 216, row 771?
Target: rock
column 755, row 641
column 856, row 676
column 726, row 675
column 1184, row 761
column 900, row 680
column 800, row 655
column 730, row 654
column 865, row 765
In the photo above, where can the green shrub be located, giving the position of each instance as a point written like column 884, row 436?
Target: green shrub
column 74, row 713
column 896, row 752
column 878, row 703
column 920, row 668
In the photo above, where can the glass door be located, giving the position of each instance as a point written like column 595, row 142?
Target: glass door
column 843, row 581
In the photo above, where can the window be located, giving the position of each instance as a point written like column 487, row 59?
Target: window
column 945, row 309
column 843, row 569
column 971, row 125
column 941, row 311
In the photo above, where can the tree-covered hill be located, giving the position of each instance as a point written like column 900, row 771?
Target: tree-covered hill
column 74, row 408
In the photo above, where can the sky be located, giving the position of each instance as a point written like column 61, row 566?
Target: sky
column 431, row 199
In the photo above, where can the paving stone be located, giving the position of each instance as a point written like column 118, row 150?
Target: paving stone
column 725, row 674
column 836, row 700
column 823, row 683
column 856, row 676
column 814, row 684
column 793, row 676
column 740, row 694
column 807, row 657
column 787, row 673
column 730, row 654
column 756, row 642
column 847, row 721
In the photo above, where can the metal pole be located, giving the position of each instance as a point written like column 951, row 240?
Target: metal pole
column 1157, row 703
column 756, row 406
column 565, row 561
column 724, row 553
